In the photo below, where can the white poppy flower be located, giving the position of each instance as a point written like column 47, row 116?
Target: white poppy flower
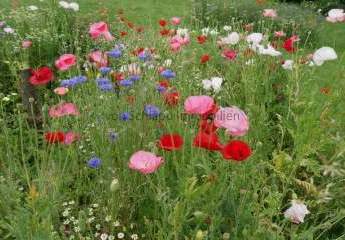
column 296, row 212
column 64, row 4
column 214, row 83
column 288, row 64
column 182, row 32
column 255, row 38
column 336, row 15
column 233, row 38
column 8, row 30
column 74, row 6
column 214, row 32
column 270, row 51
column 324, row 54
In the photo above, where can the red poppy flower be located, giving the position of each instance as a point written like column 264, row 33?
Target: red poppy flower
column 164, row 83
column 130, row 25
column 289, row 44
column 137, row 51
column 163, row 23
column 207, row 126
column 172, row 98
column 164, row 32
column 208, row 141
column 204, row 58
column 236, row 150
column 54, row 137
column 170, row 142
column 202, row 39
column 41, row 76
column 123, row 33
column 118, row 76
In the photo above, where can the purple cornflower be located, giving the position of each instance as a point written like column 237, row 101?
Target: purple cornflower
column 126, row 83
column 168, row 74
column 125, row 116
column 115, row 53
column 105, row 70
column 152, row 111
column 94, row 162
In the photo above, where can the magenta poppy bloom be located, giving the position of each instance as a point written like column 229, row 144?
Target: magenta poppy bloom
column 65, row 62
column 145, row 162
column 233, row 119
column 229, row 54
column 100, row 29
column 63, row 109
column 198, row 104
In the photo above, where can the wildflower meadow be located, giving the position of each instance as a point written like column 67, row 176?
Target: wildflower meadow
column 172, row 120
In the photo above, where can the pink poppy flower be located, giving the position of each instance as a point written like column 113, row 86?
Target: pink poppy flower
column 71, row 137
column 61, row 91
column 99, row 58
column 145, row 162
column 63, row 109
column 336, row 15
column 271, row 13
column 233, row 119
column 65, row 62
column 26, row 44
column 279, row 34
column 229, row 54
column 100, row 29
column 175, row 21
column 198, row 104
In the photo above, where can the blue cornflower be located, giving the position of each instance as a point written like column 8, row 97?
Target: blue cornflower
column 161, row 89
column 152, row 111
column 168, row 74
column 115, row 53
column 94, row 162
column 73, row 81
column 126, row 83
column 104, row 84
column 125, row 116
column 134, row 78
column 144, row 56
column 105, row 70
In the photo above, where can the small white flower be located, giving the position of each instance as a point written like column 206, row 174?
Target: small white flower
column 32, row 8
column 214, row 32
column 120, row 235
column 108, row 218
column 227, row 28
column 296, row 212
column 167, row 63
column 65, row 213
column 77, row 229
column 98, row 226
column 205, row 31
column 324, row 54
column 6, row 99
column 214, row 83
column 74, row 6
column 134, row 236
column 117, row 224
column 288, row 64
column 104, row 236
